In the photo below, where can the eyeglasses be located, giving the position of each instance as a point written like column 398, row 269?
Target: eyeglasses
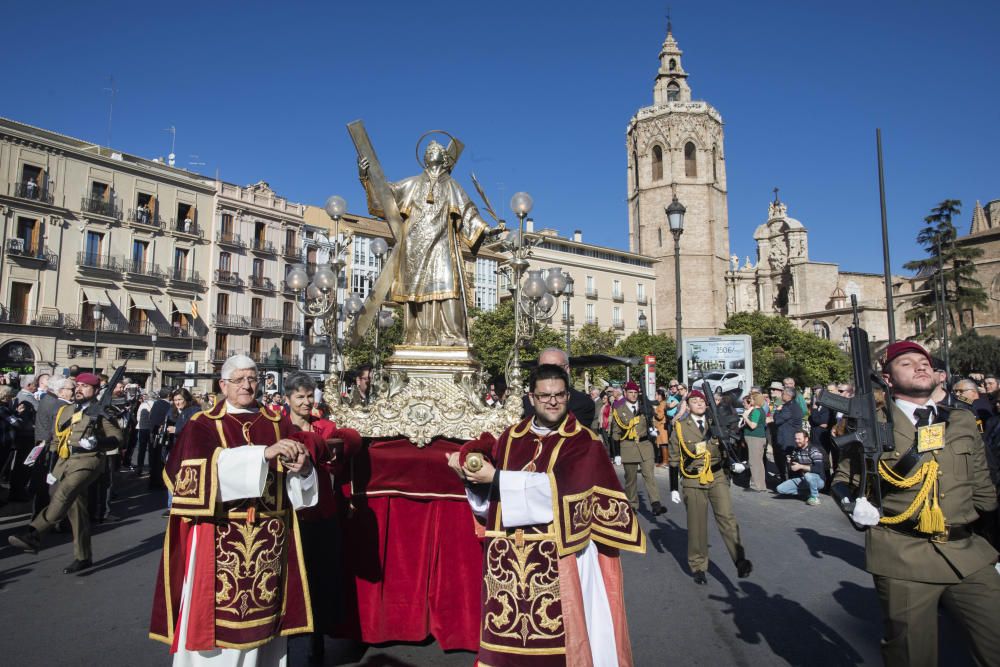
column 249, row 380
column 558, row 397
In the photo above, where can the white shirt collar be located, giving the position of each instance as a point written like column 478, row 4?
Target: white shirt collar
column 233, row 410
column 538, row 429
column 909, row 408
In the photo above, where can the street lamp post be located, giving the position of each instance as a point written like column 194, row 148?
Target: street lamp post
column 675, row 218
column 569, row 317
column 97, row 325
column 521, row 203
column 643, row 322
column 152, row 369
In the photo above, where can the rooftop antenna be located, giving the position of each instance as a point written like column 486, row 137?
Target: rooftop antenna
column 111, row 88
column 172, row 158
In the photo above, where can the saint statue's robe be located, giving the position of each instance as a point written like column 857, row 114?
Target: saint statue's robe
column 232, row 583
column 556, row 518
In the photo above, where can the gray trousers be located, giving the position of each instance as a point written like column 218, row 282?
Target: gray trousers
column 69, row 499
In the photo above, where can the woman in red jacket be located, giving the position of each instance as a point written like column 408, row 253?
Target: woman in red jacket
column 329, row 447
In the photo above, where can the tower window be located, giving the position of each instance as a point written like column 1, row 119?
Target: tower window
column 635, row 169
column 657, row 163
column 673, row 64
column 690, row 160
column 673, row 92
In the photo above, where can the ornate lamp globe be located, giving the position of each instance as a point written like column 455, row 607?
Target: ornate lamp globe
column 335, row 206
column 297, row 279
column 521, row 203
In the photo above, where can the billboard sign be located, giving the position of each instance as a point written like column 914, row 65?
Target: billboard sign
column 725, row 361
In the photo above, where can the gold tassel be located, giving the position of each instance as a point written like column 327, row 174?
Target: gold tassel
column 706, row 476
column 931, row 516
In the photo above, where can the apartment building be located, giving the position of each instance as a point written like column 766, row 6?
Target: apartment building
column 103, row 256
column 256, row 236
column 611, row 288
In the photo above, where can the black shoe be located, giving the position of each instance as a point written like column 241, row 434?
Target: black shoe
column 29, row 540
column 743, row 568
column 76, row 566
column 659, row 509
column 700, row 579
column 111, row 518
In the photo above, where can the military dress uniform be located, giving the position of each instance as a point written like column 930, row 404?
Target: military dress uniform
column 75, row 470
column 923, row 550
column 703, row 480
column 630, row 428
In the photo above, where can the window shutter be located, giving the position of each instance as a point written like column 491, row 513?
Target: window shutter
column 152, row 207
column 36, row 235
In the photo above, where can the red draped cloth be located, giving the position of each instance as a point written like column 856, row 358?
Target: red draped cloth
column 411, row 549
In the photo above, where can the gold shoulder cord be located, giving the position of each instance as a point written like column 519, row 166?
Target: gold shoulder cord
column 705, row 475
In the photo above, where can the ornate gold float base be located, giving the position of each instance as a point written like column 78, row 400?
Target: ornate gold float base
column 427, row 393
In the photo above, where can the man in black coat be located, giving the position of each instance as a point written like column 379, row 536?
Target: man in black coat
column 580, row 404
column 788, row 420
column 821, row 420
column 157, row 417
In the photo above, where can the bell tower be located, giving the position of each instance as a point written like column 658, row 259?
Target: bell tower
column 675, row 147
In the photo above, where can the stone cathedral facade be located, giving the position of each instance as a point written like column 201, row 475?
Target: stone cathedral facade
column 675, row 147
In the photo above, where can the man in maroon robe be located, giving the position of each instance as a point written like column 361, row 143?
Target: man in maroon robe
column 232, row 582
column 556, row 518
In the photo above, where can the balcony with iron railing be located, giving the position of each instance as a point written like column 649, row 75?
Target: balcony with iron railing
column 220, row 356
column 292, row 253
column 133, row 354
column 227, row 321
column 188, row 228
column 592, row 320
column 136, row 267
column 144, row 218
column 618, row 324
column 291, row 327
column 228, row 278
column 141, row 328
column 261, row 283
column 261, row 245
column 265, row 323
column 618, row 296
column 179, row 275
column 591, row 292
column 100, row 206
column 31, row 190
column 176, row 330
column 231, row 240
column 96, row 261
column 18, row 248
column 104, row 324
column 30, row 318
column 641, row 299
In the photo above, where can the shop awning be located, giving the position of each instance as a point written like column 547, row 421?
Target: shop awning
column 97, row 297
column 183, row 306
column 142, row 301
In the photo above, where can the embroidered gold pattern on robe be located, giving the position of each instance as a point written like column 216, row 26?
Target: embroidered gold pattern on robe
column 249, row 567
column 602, row 510
column 522, row 593
column 187, row 482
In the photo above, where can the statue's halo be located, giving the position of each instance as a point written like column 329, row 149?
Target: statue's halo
column 419, row 153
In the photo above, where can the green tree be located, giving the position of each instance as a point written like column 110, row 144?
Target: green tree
column 364, row 351
column 971, row 353
column 780, row 350
column 957, row 282
column 591, row 339
column 661, row 346
column 492, row 336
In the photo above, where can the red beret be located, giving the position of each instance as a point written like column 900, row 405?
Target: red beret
column 631, row 386
column 696, row 393
column 902, row 347
column 89, row 378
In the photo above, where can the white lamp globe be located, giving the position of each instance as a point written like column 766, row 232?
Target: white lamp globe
column 297, row 278
column 335, row 206
column 521, row 203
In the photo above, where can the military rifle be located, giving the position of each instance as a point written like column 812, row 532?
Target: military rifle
column 725, row 436
column 866, row 436
column 102, row 407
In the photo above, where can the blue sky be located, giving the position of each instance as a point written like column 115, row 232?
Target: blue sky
column 541, row 93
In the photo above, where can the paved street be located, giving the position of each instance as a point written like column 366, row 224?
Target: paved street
column 807, row 601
